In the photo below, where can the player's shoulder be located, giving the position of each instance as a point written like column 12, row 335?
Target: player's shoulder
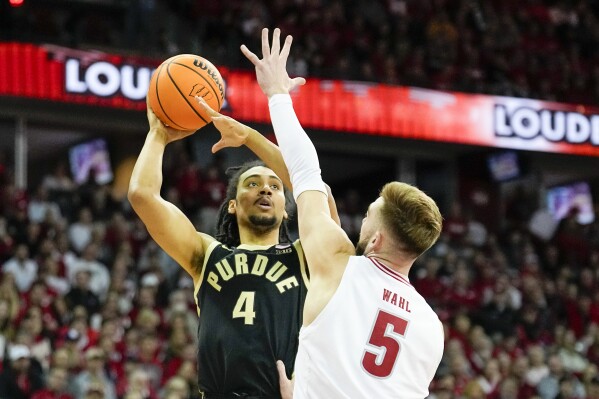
column 206, row 239
column 212, row 246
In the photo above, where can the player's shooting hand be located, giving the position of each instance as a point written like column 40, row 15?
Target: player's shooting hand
column 232, row 133
column 271, row 70
column 285, row 384
column 168, row 133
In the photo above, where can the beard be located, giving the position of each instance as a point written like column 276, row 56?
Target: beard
column 361, row 247
column 264, row 223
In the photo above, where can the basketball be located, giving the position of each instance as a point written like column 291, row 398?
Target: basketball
column 174, row 85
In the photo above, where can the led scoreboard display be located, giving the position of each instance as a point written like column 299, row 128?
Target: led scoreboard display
column 98, row 79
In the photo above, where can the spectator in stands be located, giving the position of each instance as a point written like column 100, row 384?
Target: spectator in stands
column 22, row 267
column 7, row 242
column 509, row 389
column 36, row 333
column 473, row 390
column 21, row 376
column 40, row 206
column 455, row 224
column 151, row 254
column 151, row 357
column 93, row 373
column 50, row 274
column 138, row 383
column 480, row 352
column 188, row 181
column 517, row 375
column 99, row 278
column 62, row 358
column 213, row 189
column 175, row 388
column 56, row 385
column 8, row 315
column 460, row 294
column 592, row 389
column 571, row 358
column 81, row 293
column 490, row 379
column 80, row 232
column 549, row 386
column 428, row 281
column 537, row 369
column 95, row 390
column 498, row 316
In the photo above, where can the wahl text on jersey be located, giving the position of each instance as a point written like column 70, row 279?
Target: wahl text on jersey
column 259, row 267
column 396, row 300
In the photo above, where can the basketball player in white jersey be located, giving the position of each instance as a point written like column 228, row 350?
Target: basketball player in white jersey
column 366, row 332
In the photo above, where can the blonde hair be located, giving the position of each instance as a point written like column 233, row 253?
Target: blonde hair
column 411, row 216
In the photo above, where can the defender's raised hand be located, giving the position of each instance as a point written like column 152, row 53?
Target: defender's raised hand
column 271, row 71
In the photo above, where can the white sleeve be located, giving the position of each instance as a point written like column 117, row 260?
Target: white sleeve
column 298, row 151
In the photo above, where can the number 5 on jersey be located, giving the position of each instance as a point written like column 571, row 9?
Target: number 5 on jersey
column 245, row 307
column 383, row 345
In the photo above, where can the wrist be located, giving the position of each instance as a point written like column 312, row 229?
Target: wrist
column 279, row 98
column 275, row 92
column 158, row 135
column 247, row 135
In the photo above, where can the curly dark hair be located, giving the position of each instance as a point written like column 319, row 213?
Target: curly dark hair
column 227, row 229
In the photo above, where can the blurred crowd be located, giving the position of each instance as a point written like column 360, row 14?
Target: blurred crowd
column 90, row 307
column 546, row 49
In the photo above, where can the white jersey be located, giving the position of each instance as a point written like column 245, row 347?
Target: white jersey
column 376, row 338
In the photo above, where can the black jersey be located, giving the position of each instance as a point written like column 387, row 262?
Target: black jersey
column 250, row 302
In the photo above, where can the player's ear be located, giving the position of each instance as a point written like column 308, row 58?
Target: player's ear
column 377, row 240
column 232, row 206
column 285, row 215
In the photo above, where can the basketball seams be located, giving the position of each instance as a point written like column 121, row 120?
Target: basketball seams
column 172, row 77
column 171, row 123
column 208, row 81
column 184, row 96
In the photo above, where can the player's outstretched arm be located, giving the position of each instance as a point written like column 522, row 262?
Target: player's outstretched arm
column 326, row 245
column 167, row 225
column 235, row 134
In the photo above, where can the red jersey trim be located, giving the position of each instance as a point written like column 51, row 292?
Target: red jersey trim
column 390, row 272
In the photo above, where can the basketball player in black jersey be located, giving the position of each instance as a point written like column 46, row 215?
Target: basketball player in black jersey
column 250, row 281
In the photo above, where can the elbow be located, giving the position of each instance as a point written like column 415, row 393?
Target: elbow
column 138, row 196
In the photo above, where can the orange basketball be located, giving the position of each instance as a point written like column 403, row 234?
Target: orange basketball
column 173, row 88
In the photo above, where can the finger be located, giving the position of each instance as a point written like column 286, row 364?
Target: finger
column 265, row 45
column 281, row 370
column 151, row 115
column 249, row 55
column 276, row 42
column 218, row 146
column 295, row 82
column 212, row 113
column 286, row 47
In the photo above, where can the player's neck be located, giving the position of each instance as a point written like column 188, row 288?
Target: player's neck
column 249, row 237
column 392, row 262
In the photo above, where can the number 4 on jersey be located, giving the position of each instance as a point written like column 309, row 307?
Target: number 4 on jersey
column 384, row 339
column 245, row 307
